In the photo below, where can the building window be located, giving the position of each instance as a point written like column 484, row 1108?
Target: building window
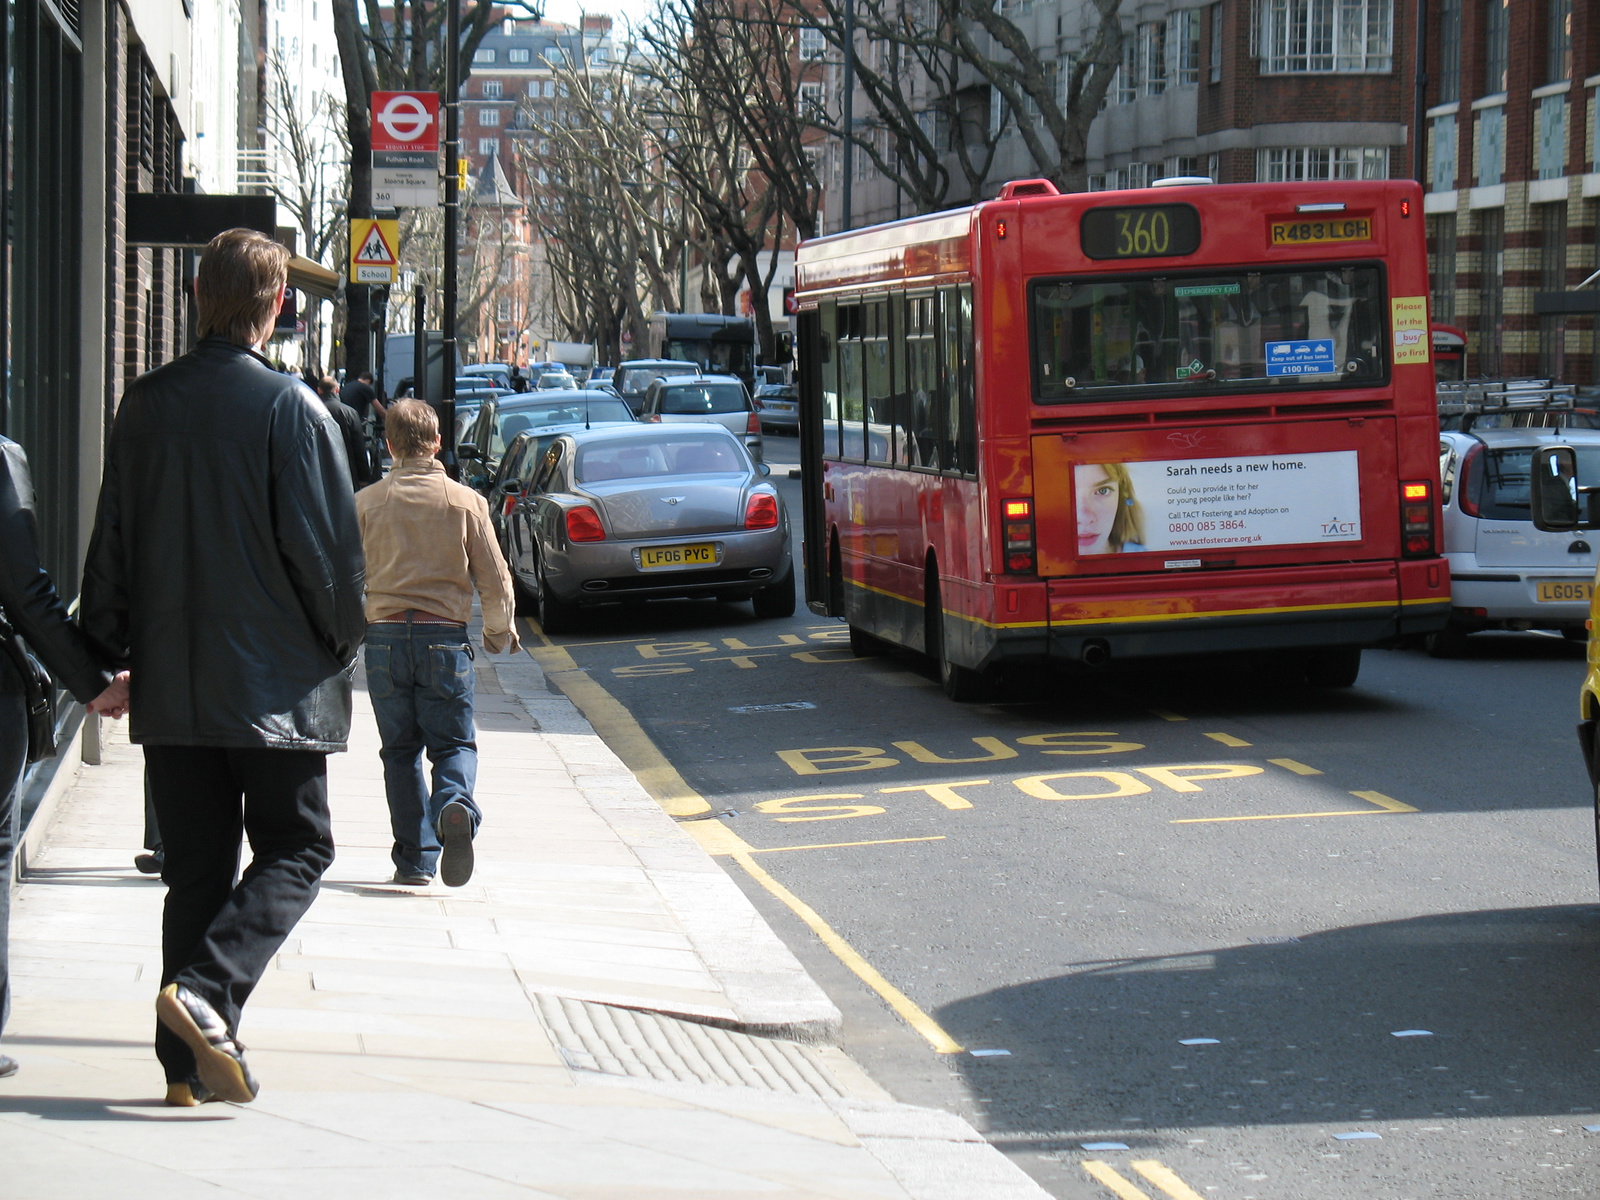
column 487, row 146
column 1491, row 145
column 1327, row 35
column 1558, row 42
column 483, row 55
column 1444, row 153
column 1449, row 51
column 935, row 126
column 1550, row 152
column 1552, row 278
column 1496, row 45
column 553, row 56
column 1442, row 264
column 1152, row 58
column 812, row 44
column 1216, row 43
column 502, row 309
column 1097, row 183
column 1491, row 291
column 491, row 89
column 549, row 88
column 519, row 54
column 1297, row 163
column 813, row 105
column 1185, row 164
column 1183, row 47
column 488, row 116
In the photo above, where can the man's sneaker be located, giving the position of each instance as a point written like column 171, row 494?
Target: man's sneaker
column 188, row 1093
column 149, row 863
column 412, row 878
column 455, row 842
column 218, row 1057
column 8, row 1066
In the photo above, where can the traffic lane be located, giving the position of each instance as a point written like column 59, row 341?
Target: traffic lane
column 1437, row 741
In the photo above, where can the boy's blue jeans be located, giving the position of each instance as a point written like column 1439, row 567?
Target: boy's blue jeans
column 419, row 676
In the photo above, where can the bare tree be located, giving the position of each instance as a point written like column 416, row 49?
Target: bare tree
column 305, row 139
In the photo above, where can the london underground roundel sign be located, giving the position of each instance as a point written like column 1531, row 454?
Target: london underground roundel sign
column 405, row 121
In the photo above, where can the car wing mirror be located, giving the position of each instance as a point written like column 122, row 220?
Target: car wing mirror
column 467, row 450
column 511, row 487
column 1558, row 503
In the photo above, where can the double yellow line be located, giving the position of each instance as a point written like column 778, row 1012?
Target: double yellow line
column 1162, row 1177
column 628, row 740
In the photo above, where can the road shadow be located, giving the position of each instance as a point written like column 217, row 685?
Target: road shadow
column 1304, row 1030
column 101, row 1108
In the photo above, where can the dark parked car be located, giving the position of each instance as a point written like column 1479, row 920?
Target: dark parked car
column 648, row 512
column 501, row 419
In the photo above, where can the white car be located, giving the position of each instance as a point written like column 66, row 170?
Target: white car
column 1504, row 573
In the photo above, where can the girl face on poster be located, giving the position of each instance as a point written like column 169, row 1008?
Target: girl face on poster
column 1109, row 518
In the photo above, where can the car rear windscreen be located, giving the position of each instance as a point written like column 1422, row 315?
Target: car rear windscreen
column 691, row 454
column 596, row 410
column 1498, row 480
column 702, row 399
column 634, row 381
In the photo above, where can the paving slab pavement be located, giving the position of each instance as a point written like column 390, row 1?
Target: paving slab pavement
column 600, row 1013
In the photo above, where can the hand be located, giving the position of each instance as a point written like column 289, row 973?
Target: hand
column 113, row 702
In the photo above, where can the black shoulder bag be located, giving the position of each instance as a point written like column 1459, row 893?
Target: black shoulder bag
column 38, row 689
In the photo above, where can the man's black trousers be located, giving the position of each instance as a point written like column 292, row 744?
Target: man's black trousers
column 218, row 936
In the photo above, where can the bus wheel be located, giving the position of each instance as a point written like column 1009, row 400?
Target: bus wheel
column 961, row 684
column 1334, row 667
column 775, row 601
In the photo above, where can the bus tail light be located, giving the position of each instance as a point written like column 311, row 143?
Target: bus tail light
column 583, row 525
column 753, row 425
column 1416, row 520
column 1016, row 518
column 761, row 511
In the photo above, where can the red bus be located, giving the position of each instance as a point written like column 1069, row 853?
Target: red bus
column 1114, row 425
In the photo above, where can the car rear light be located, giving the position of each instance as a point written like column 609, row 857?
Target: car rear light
column 583, row 525
column 1466, row 482
column 761, row 511
column 1416, row 520
column 511, row 503
column 753, row 425
column 1016, row 519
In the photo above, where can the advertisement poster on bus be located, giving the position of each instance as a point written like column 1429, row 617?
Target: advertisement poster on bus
column 1210, row 503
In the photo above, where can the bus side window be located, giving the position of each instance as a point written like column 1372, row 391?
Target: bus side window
column 879, row 383
column 966, row 461
column 922, row 383
column 828, row 384
column 949, row 380
column 850, row 385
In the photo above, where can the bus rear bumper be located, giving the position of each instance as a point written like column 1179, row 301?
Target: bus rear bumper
column 1348, row 605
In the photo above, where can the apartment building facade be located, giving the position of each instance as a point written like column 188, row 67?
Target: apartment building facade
column 1513, row 183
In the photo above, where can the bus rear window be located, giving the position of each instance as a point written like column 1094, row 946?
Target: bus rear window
column 1201, row 334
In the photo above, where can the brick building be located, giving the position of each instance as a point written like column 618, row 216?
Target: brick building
column 1514, row 182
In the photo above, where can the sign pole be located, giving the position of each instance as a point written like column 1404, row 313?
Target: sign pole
column 452, row 212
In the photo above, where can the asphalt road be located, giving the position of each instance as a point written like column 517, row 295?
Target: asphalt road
column 1085, row 878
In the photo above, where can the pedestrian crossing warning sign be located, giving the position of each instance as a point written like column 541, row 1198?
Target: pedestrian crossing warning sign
column 372, row 250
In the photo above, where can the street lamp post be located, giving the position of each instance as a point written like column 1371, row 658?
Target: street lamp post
column 452, row 214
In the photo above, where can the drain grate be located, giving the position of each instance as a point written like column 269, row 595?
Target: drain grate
column 622, row 1041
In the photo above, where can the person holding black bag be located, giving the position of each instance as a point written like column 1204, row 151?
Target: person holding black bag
column 29, row 606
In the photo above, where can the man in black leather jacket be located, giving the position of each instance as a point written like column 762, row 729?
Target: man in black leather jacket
column 226, row 571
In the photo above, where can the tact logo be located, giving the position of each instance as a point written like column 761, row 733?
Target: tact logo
column 1337, row 528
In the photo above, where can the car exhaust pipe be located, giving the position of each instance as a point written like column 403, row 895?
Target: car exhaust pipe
column 1095, row 653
